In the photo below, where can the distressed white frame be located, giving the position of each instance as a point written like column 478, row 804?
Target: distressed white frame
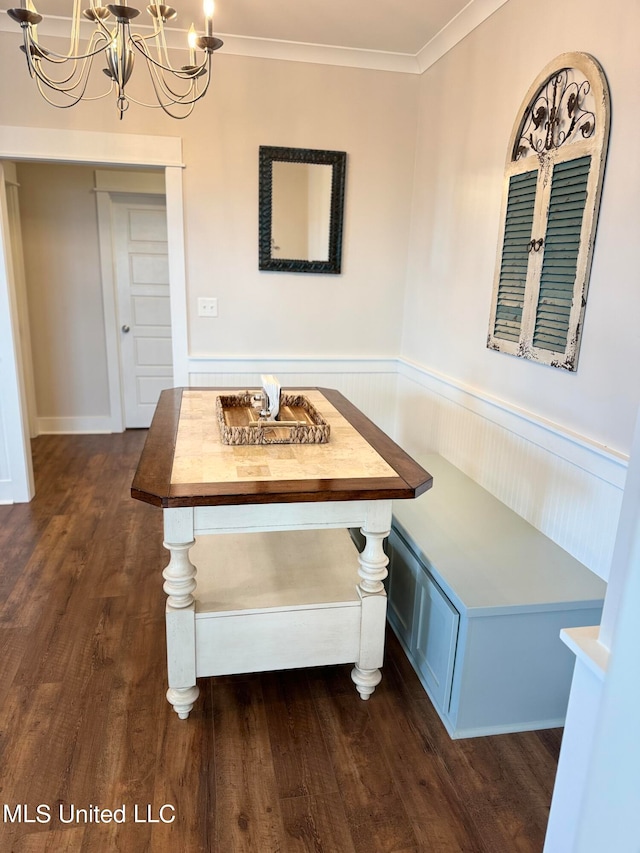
column 596, row 147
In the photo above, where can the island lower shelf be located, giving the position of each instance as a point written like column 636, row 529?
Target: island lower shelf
column 276, row 600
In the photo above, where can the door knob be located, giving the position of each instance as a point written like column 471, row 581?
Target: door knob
column 126, row 329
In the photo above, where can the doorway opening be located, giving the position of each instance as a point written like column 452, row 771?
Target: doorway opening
column 96, row 150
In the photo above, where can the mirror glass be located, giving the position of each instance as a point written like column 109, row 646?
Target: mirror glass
column 301, row 209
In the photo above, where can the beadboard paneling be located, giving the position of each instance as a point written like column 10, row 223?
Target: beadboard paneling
column 565, row 487
column 370, row 385
column 563, row 484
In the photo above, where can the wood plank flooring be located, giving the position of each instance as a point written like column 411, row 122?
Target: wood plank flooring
column 289, row 762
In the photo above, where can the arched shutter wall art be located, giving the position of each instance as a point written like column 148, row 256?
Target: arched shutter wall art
column 553, row 181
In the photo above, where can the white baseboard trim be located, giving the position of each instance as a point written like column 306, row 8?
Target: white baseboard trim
column 484, row 731
column 603, row 462
column 78, row 425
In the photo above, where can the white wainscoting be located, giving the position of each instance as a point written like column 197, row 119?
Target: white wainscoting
column 370, row 384
column 565, row 485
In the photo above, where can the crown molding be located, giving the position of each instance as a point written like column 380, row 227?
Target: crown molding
column 458, row 28
column 321, row 54
column 470, row 17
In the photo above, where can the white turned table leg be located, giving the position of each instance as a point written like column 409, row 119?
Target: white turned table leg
column 366, row 673
column 182, row 699
column 365, row 680
column 180, row 575
column 179, row 585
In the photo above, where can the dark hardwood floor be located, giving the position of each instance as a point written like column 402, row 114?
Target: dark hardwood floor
column 269, row 763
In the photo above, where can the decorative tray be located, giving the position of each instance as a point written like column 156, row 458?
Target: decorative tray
column 299, row 422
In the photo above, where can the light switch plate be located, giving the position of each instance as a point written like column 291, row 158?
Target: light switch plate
column 207, row 306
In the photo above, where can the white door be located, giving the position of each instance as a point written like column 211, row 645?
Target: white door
column 143, row 306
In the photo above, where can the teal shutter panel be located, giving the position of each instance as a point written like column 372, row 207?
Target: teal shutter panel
column 515, row 255
column 561, row 247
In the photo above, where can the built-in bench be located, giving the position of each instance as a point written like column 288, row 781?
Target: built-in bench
column 477, row 597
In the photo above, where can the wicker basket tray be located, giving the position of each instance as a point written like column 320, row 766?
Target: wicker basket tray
column 299, row 422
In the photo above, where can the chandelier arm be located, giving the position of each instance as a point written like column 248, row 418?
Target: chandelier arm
column 185, row 98
column 61, row 58
column 138, row 43
column 163, row 52
column 99, row 97
column 104, row 30
column 26, row 46
column 177, row 117
column 69, row 91
column 73, row 99
column 161, row 85
column 74, row 38
column 156, row 82
column 64, row 84
column 163, row 106
column 75, row 29
column 31, row 34
column 60, row 85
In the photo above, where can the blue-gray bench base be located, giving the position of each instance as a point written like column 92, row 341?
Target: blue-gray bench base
column 477, row 597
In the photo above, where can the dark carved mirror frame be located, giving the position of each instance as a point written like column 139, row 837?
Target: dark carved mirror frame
column 338, row 160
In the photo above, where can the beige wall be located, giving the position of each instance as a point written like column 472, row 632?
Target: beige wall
column 62, row 266
column 467, row 105
column 369, row 115
column 253, row 102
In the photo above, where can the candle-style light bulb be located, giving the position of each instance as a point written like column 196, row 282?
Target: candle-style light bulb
column 208, row 6
column 192, row 38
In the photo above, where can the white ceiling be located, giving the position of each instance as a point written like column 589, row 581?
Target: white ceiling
column 350, row 32
column 398, row 26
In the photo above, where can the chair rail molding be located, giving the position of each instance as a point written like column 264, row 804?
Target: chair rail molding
column 595, row 458
column 564, row 484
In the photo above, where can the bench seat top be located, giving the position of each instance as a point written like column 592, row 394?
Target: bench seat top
column 484, row 555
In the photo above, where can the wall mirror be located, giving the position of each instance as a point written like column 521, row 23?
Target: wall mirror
column 301, row 209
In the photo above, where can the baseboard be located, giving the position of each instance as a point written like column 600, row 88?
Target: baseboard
column 531, row 726
column 79, row 425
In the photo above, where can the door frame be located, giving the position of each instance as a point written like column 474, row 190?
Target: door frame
column 87, row 148
column 110, row 191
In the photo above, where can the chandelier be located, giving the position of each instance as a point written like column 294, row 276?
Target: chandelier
column 63, row 78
